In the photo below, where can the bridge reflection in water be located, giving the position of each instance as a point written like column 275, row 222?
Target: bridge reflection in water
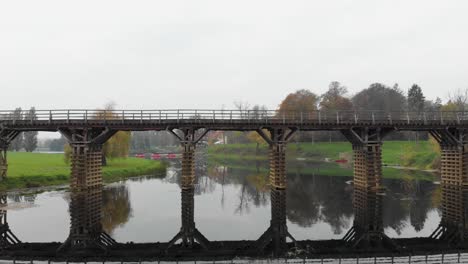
column 86, row 135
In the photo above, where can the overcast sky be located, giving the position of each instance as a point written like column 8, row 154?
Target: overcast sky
column 208, row 54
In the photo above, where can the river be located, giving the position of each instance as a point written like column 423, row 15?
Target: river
column 231, row 203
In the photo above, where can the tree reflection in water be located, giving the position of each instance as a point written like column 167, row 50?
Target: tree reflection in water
column 117, row 208
column 313, row 198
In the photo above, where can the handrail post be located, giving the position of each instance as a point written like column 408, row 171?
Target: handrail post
column 355, row 118
column 320, row 117
column 86, row 116
column 301, row 117
column 458, row 118
column 160, row 116
column 441, row 119
column 50, row 117
column 68, row 117
column 407, row 117
column 231, row 116
column 337, row 118
column 123, row 116
column 214, row 116
column 373, row 118
column 424, row 118
column 284, row 121
column 177, row 115
column 390, row 118
column 141, row 116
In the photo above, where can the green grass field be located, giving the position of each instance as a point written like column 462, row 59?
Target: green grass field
column 39, row 169
column 404, row 153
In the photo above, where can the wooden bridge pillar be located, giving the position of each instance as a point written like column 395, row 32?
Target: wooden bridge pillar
column 86, row 156
column 188, row 233
column 6, row 136
column 86, row 233
column 367, row 230
column 277, row 233
column 454, row 155
column 454, row 181
column 7, row 237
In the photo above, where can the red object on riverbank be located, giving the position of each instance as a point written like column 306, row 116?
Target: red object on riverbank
column 341, row 161
column 171, row 156
column 155, row 156
column 141, row 156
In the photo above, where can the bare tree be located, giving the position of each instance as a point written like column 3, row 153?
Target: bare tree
column 459, row 98
column 242, row 107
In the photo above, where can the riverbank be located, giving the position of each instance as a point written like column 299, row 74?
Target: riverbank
column 27, row 170
column 418, row 155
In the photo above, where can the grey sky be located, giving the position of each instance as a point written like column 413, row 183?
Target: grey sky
column 205, row 54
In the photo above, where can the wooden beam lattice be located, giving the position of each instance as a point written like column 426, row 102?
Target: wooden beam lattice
column 188, row 166
column 368, row 165
column 454, row 165
column 86, row 166
column 277, row 176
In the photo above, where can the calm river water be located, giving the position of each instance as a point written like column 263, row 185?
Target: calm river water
column 231, row 203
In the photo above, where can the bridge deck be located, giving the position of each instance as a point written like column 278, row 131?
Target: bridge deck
column 52, row 120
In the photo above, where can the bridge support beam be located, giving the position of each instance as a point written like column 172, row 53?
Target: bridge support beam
column 86, row 232
column 6, row 136
column 7, row 238
column 454, row 181
column 277, row 233
column 367, row 230
column 188, row 233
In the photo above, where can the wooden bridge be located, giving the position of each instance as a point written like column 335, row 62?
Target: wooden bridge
column 87, row 130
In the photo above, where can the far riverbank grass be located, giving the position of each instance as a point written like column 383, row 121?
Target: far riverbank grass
column 329, row 169
column 417, row 154
column 26, row 170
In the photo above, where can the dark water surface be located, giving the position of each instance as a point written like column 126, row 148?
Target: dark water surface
column 231, row 203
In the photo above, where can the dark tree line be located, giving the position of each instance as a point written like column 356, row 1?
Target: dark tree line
column 377, row 97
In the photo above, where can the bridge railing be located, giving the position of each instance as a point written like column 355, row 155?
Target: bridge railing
column 258, row 116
